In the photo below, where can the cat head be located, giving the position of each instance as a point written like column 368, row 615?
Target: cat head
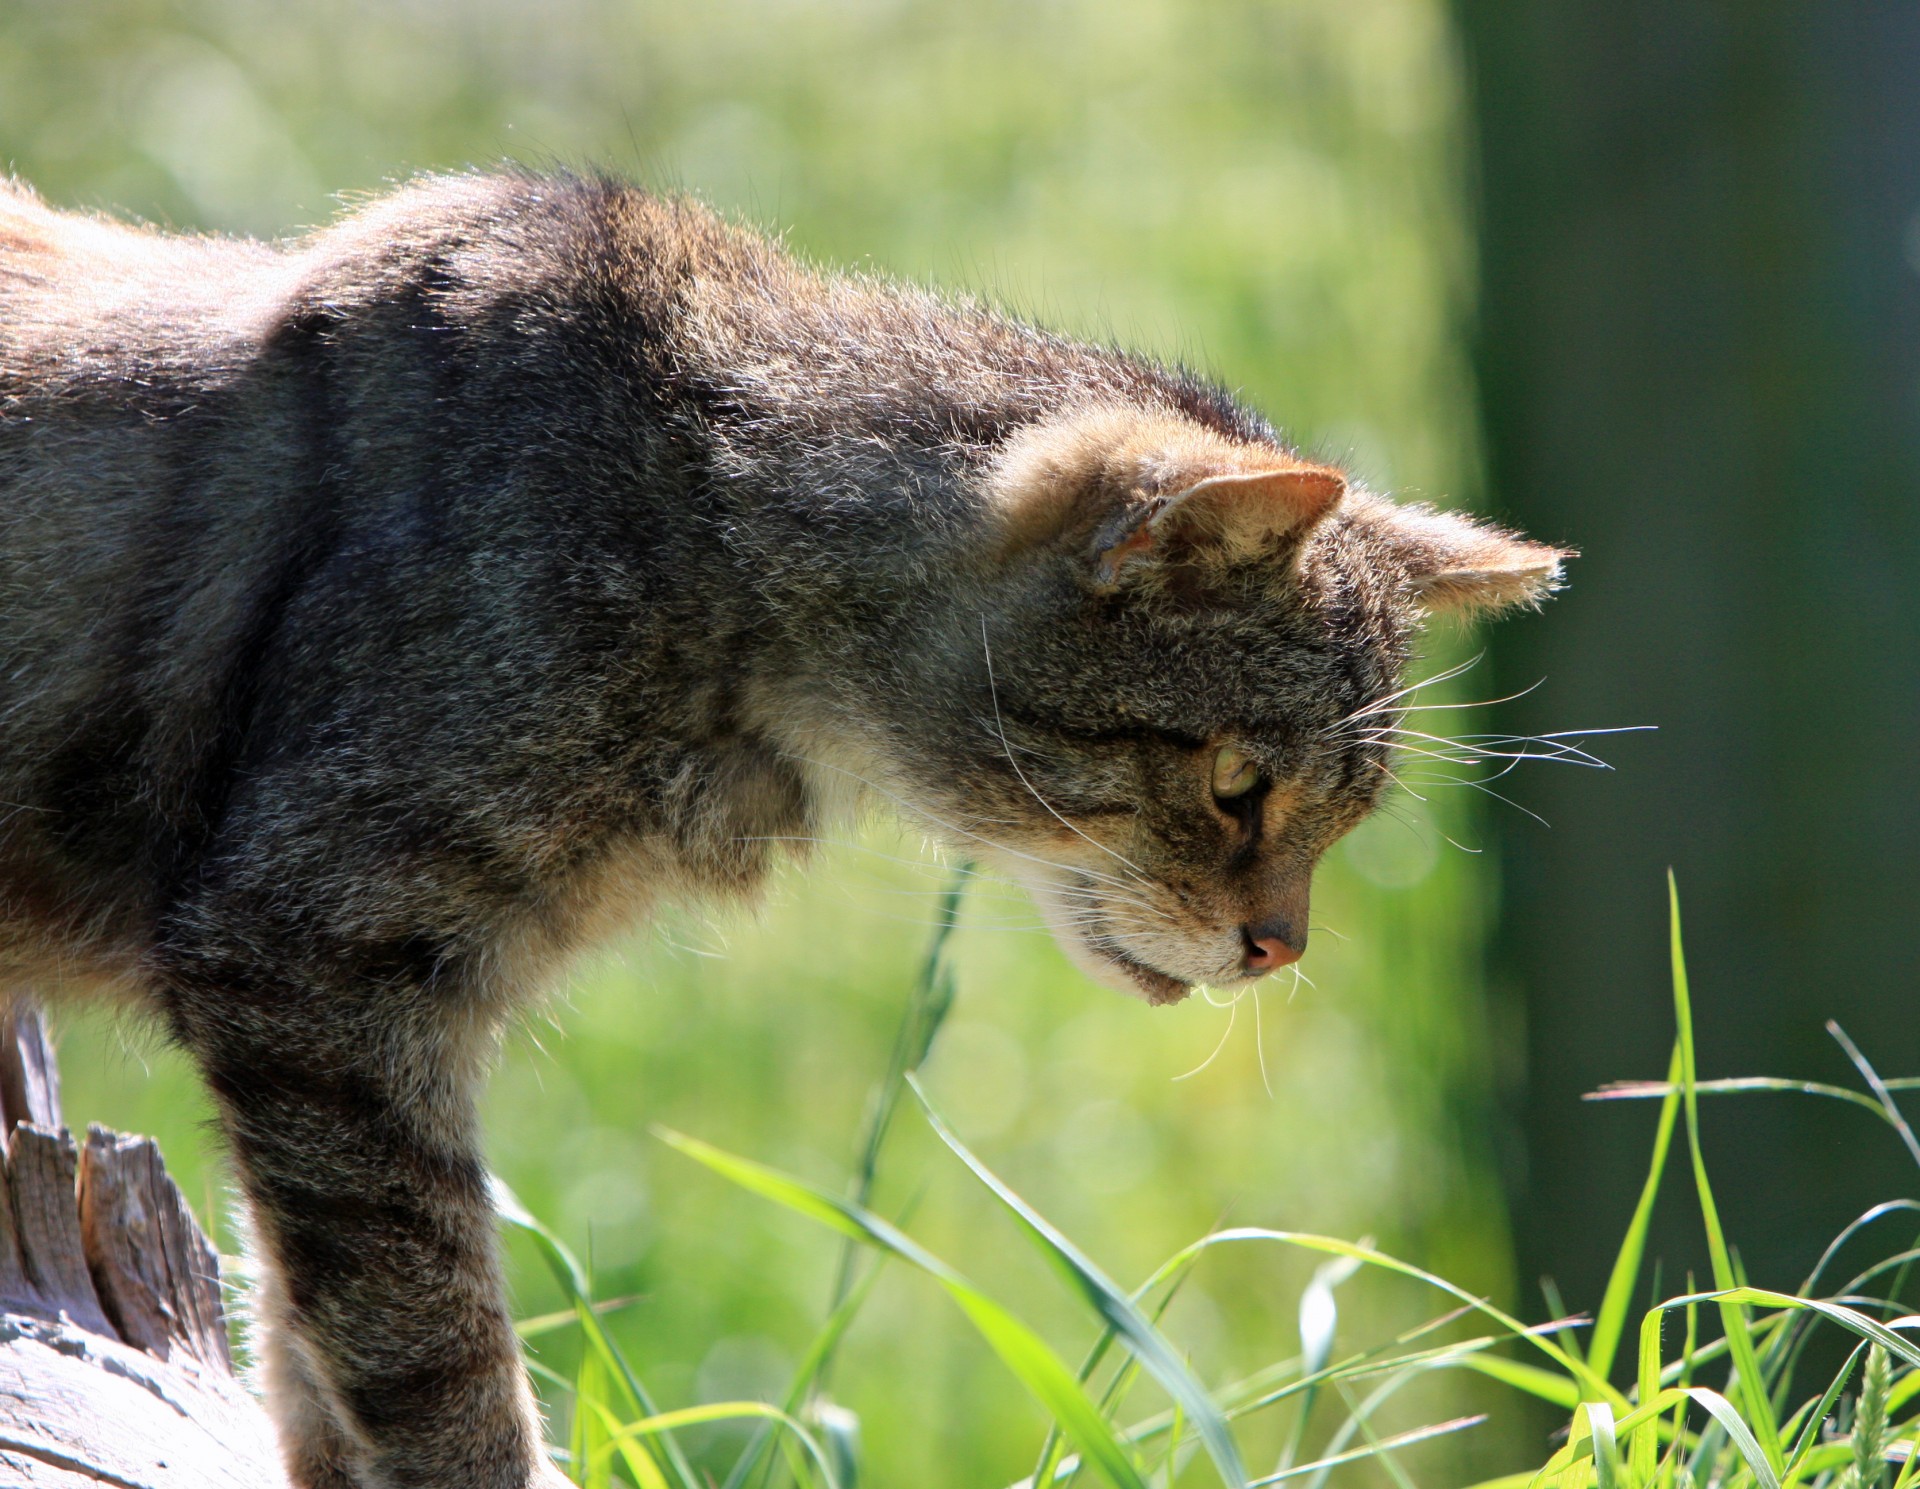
column 1166, row 691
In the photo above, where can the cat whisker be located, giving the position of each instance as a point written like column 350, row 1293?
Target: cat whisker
column 1447, row 675
column 1232, row 1005
column 1138, row 917
column 1233, row 1011
column 1475, row 755
column 1391, row 705
column 999, row 725
column 1418, row 826
column 1375, row 711
column 1134, row 896
column 1480, row 786
column 966, row 871
column 1098, row 897
column 1096, row 910
column 1260, row 1042
column 1143, row 920
column 1570, row 746
column 925, row 922
column 1104, row 899
column 1567, row 747
column 907, row 806
column 1388, row 771
column 1436, row 758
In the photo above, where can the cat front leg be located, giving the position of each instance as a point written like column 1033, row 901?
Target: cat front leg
column 387, row 1340
column 320, row 1453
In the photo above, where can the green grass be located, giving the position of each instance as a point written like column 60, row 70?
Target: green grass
column 1705, row 1406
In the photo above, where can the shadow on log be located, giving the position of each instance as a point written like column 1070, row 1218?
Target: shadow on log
column 114, row 1366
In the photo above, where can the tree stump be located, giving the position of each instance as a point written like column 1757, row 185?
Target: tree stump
column 114, row 1366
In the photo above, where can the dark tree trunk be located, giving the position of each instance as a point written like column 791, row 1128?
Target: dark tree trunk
column 1700, row 359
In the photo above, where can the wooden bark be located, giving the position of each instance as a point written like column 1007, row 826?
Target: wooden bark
column 114, row 1366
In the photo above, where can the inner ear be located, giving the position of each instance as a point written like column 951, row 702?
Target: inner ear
column 1235, row 516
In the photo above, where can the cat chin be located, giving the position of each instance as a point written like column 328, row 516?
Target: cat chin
column 1123, row 974
column 1117, row 970
column 1158, row 988
column 1106, row 965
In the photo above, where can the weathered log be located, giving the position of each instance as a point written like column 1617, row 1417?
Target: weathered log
column 114, row 1367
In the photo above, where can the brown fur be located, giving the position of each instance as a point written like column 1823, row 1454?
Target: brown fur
column 388, row 613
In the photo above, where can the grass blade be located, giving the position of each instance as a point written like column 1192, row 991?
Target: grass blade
column 566, row 1318
column 1022, row 1351
column 1850, row 1319
column 1121, row 1382
column 572, row 1278
column 1606, row 1452
column 1748, row 1379
column 1115, row 1308
column 597, row 1442
column 1359, row 1423
column 1643, row 1446
column 1883, row 1096
column 1373, row 1450
column 1612, row 1318
column 1741, row 1435
column 1319, row 1318
column 1530, row 1379
column 1810, row 1431
column 726, row 1411
column 928, row 1004
column 1740, row 1085
column 805, row 1376
column 1853, row 1228
column 1590, row 1385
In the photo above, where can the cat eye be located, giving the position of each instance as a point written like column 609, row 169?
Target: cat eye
column 1234, row 774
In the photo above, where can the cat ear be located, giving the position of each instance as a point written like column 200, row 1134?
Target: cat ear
column 1458, row 565
column 1235, row 517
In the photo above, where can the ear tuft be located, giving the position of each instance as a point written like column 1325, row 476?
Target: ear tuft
column 1457, row 565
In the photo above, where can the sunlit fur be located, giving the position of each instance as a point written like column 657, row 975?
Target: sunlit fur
column 387, row 614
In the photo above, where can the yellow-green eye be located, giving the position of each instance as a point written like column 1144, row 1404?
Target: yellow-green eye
column 1234, row 773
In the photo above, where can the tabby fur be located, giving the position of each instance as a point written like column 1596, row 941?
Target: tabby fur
column 389, row 613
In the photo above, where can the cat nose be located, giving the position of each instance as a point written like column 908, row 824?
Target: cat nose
column 1272, row 946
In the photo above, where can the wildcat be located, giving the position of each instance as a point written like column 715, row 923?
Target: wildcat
column 386, row 614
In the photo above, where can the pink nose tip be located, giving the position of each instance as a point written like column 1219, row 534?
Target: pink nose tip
column 1269, row 953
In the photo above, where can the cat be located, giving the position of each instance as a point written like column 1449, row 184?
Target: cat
column 387, row 614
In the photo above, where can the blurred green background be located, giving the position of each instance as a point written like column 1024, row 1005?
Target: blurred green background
column 1289, row 194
